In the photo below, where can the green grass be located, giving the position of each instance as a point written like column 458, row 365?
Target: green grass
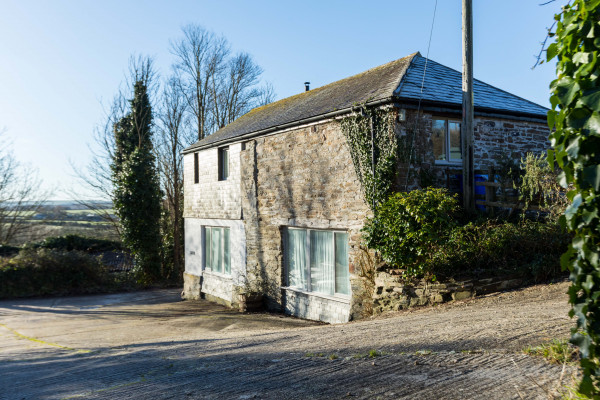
column 314, row 355
column 86, row 212
column 555, row 352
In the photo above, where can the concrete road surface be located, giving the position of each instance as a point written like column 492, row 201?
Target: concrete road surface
column 151, row 345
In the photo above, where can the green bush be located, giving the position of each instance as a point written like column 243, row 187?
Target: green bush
column 419, row 232
column 489, row 247
column 409, row 225
column 36, row 272
column 8, row 251
column 76, row 242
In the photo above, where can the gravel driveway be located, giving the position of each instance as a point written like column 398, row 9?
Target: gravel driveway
column 150, row 345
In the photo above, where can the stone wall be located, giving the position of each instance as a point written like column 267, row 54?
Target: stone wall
column 302, row 177
column 495, row 137
column 210, row 197
column 492, row 138
column 391, row 294
column 315, row 307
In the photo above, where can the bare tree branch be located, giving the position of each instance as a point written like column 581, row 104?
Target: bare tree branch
column 217, row 87
column 20, row 195
column 538, row 58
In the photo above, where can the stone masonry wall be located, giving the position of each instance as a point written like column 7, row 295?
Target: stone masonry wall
column 317, row 308
column 302, row 177
column 391, row 294
column 493, row 137
column 211, row 198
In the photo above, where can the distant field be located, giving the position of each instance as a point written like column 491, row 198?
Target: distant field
column 86, row 212
column 41, row 230
column 23, row 214
column 61, row 222
column 72, row 220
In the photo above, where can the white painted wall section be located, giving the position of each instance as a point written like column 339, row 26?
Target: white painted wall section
column 219, row 285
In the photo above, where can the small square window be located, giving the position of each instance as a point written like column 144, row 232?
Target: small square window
column 223, row 163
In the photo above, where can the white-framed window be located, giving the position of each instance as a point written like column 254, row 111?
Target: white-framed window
column 216, row 249
column 317, row 261
column 446, row 140
column 223, row 163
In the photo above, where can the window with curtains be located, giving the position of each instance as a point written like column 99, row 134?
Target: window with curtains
column 216, row 249
column 317, row 261
column 446, row 140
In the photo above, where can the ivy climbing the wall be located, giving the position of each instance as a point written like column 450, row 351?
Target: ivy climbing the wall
column 374, row 160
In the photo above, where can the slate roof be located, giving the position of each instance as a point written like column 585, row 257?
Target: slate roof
column 444, row 84
column 395, row 81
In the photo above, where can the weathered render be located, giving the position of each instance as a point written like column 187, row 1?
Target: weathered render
column 290, row 173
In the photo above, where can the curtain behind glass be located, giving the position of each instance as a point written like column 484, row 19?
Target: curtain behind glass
column 226, row 251
column 296, row 256
column 322, row 264
column 216, row 254
column 342, row 274
column 207, row 255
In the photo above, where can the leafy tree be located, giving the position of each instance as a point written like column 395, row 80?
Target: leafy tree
column 137, row 190
column 575, row 118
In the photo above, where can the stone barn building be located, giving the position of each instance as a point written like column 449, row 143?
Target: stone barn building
column 273, row 203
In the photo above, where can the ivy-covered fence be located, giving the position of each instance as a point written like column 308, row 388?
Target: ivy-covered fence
column 575, row 118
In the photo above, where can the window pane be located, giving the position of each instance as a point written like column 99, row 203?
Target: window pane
column 226, row 251
column 217, row 255
column 322, row 268
column 296, row 256
column 438, row 137
column 454, row 131
column 225, row 163
column 342, row 274
column 207, row 248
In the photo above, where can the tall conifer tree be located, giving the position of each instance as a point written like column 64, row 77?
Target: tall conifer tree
column 137, row 189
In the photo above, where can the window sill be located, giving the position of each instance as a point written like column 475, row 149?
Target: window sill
column 448, row 163
column 342, row 298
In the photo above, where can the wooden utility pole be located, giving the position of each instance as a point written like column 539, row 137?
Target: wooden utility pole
column 467, row 109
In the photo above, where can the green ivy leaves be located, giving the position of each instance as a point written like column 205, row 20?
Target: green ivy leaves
column 376, row 185
column 575, row 118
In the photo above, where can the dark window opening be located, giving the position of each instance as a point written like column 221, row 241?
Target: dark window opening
column 196, row 169
column 223, row 163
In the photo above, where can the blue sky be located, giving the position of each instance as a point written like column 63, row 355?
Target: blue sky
column 60, row 60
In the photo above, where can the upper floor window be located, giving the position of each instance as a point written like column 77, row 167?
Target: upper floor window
column 317, row 261
column 446, row 140
column 196, row 169
column 223, row 163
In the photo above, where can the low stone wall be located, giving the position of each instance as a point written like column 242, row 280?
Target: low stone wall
column 391, row 294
